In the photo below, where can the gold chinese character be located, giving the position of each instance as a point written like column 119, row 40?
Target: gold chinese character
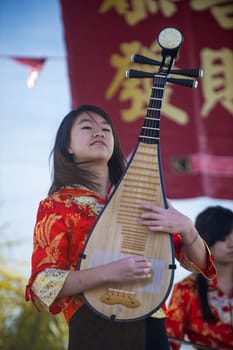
column 135, row 11
column 136, row 91
column 217, row 80
column 222, row 10
column 121, row 6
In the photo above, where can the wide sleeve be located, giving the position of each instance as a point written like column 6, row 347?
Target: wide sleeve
column 50, row 239
column 48, row 284
column 186, row 263
column 60, row 232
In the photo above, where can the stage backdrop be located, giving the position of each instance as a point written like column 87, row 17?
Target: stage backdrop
column 196, row 124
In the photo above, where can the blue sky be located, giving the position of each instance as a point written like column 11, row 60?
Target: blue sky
column 29, row 119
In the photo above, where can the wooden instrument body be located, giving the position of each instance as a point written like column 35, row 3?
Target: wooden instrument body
column 117, row 234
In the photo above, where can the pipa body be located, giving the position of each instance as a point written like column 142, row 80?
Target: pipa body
column 117, row 232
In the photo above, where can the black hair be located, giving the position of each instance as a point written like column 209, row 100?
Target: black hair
column 65, row 170
column 213, row 224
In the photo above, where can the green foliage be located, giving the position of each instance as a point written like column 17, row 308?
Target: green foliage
column 21, row 325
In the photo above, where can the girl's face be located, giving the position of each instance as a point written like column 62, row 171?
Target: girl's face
column 223, row 250
column 91, row 138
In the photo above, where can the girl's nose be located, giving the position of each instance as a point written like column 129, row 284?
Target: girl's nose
column 98, row 133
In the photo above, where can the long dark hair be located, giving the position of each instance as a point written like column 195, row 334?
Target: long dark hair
column 213, row 224
column 65, row 170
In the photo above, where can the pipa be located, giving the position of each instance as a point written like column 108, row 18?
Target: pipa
column 117, row 232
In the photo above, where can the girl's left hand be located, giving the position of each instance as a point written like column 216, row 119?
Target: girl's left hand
column 167, row 220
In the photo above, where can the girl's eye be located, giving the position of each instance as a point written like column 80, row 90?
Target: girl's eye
column 106, row 129
column 86, row 127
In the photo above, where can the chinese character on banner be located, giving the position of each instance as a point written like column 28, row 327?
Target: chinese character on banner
column 196, row 124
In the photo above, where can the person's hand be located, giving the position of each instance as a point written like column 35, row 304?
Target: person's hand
column 166, row 220
column 128, row 269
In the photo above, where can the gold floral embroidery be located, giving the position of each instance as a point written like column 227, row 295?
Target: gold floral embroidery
column 159, row 314
column 43, row 238
column 56, row 197
column 81, row 187
column 95, row 206
column 48, row 284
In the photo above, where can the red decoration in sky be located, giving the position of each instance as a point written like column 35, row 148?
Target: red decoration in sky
column 35, row 65
column 196, row 124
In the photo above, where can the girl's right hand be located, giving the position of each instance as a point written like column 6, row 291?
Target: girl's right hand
column 127, row 269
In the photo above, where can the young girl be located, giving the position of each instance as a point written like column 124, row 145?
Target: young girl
column 88, row 162
column 203, row 309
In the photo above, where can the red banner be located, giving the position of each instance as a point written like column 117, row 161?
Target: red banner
column 196, row 124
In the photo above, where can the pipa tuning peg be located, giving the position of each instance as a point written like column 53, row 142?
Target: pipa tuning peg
column 191, row 83
column 136, row 58
column 194, row 73
column 131, row 73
